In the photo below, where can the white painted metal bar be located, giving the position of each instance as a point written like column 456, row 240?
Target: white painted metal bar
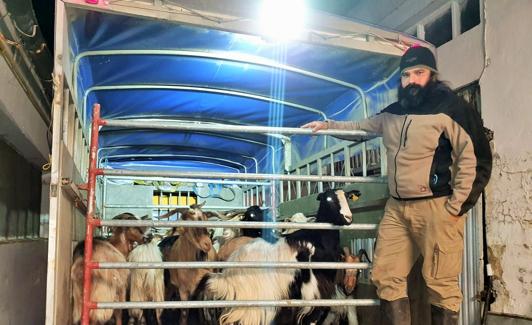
column 333, row 173
column 312, row 178
column 320, row 173
column 238, row 303
column 173, row 206
column 189, row 180
column 455, row 19
column 253, row 265
column 169, row 125
column 298, row 184
column 102, row 157
column 148, row 156
column 235, row 224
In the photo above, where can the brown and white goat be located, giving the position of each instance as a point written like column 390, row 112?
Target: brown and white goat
column 193, row 244
column 107, row 285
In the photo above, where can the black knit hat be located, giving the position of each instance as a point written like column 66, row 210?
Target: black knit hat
column 418, row 56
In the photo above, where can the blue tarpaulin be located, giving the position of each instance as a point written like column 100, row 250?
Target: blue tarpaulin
column 146, row 69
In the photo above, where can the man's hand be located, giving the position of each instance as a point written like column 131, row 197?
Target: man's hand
column 316, row 126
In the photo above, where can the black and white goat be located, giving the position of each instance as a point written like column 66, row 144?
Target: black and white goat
column 277, row 284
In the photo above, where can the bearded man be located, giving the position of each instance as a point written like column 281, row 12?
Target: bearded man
column 439, row 161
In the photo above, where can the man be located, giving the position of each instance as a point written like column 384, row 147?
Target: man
column 439, row 161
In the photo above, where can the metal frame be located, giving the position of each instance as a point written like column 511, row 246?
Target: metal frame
column 102, row 159
column 199, row 89
column 241, row 58
column 177, row 155
column 92, row 222
column 160, row 124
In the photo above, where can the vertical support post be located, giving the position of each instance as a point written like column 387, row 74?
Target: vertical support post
column 320, row 173
column 263, row 192
column 333, row 184
column 383, row 158
column 347, row 161
column 298, row 184
column 420, row 30
column 289, row 189
column 455, row 19
column 91, row 220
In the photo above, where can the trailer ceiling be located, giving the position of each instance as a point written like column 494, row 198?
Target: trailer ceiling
column 138, row 67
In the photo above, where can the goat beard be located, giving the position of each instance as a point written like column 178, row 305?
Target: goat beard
column 413, row 95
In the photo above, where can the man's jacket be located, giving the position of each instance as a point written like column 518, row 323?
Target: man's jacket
column 436, row 149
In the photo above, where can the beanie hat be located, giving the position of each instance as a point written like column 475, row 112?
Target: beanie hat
column 418, row 56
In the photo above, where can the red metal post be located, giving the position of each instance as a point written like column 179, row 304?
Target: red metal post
column 91, row 221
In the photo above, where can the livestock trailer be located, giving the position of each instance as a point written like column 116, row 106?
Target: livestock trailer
column 162, row 104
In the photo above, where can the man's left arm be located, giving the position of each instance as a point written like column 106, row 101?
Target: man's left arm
column 471, row 156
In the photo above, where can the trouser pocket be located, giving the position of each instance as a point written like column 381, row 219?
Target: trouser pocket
column 447, row 260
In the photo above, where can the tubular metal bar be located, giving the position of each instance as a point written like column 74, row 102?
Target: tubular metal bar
column 163, row 207
column 311, row 178
column 90, row 220
column 232, row 128
column 234, row 224
column 254, row 265
column 189, row 180
column 238, row 303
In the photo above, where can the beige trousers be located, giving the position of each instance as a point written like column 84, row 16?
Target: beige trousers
column 425, row 227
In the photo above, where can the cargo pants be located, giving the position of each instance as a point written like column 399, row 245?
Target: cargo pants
column 410, row 228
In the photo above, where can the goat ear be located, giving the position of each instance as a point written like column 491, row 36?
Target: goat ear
column 346, row 250
column 202, row 204
column 181, row 211
column 353, row 195
column 320, row 197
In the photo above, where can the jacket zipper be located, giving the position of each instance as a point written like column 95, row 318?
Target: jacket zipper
column 406, row 133
column 395, row 160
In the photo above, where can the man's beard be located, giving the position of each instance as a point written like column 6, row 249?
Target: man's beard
column 413, row 95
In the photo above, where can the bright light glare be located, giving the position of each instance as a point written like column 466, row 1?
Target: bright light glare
column 282, row 19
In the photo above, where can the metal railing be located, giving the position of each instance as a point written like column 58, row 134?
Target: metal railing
column 92, row 222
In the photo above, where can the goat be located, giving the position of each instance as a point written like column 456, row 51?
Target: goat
column 221, row 236
column 193, row 244
column 277, row 284
column 296, row 218
column 252, row 214
column 146, row 284
column 346, row 281
column 255, row 214
column 107, row 284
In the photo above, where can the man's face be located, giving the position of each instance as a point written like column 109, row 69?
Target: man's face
column 418, row 76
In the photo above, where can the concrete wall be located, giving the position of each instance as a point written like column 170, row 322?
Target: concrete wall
column 20, row 124
column 23, row 256
column 506, row 88
column 506, row 95
column 23, row 282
